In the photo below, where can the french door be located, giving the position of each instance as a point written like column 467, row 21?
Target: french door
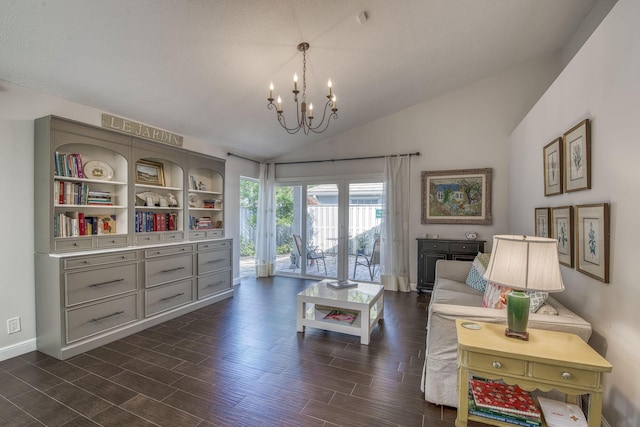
column 328, row 229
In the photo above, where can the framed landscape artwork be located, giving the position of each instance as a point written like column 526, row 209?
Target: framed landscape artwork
column 542, row 222
column 562, row 231
column 457, row 196
column 149, row 173
column 553, row 167
column 577, row 156
column 593, row 240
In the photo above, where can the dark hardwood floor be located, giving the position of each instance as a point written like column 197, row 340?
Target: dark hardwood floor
column 239, row 362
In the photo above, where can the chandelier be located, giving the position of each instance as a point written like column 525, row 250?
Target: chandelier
column 304, row 117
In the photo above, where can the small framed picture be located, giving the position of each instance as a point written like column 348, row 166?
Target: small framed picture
column 593, row 240
column 562, row 231
column 577, row 157
column 553, row 167
column 542, row 222
column 149, row 173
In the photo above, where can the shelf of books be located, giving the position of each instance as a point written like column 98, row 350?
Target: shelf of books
column 503, row 404
column 206, row 210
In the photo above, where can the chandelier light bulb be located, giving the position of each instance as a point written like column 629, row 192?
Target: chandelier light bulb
column 334, row 102
column 330, row 88
column 310, row 110
column 279, row 103
column 271, row 90
column 295, row 81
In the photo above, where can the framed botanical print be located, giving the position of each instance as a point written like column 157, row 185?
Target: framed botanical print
column 562, row 231
column 542, row 222
column 460, row 196
column 577, row 157
column 553, row 167
column 593, row 240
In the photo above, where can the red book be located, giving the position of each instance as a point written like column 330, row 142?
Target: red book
column 82, row 226
column 505, row 398
column 172, row 222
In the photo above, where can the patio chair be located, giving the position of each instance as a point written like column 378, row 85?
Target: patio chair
column 312, row 253
column 372, row 262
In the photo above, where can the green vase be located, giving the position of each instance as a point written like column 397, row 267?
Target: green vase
column 517, row 311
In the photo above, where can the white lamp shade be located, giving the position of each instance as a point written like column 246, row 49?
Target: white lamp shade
column 525, row 262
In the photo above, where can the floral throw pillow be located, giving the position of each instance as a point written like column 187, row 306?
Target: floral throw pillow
column 495, row 296
column 479, row 266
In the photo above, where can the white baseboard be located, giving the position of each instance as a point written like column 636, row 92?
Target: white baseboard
column 17, row 349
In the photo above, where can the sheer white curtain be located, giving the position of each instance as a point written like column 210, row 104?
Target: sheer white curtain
column 266, row 227
column 394, row 248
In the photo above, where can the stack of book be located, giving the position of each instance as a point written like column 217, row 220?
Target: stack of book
column 101, row 198
column 68, row 165
column 503, row 402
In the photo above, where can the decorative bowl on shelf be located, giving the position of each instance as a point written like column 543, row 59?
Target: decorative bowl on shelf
column 471, row 235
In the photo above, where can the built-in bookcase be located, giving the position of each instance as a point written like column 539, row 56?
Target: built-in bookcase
column 205, row 198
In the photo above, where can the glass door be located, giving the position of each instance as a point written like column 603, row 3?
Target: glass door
column 364, row 219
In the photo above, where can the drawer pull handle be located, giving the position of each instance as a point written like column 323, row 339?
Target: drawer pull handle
column 172, row 269
column 496, row 364
column 566, row 376
column 97, row 319
column 75, row 244
column 215, row 260
column 172, row 297
column 214, row 284
column 110, row 282
column 86, row 262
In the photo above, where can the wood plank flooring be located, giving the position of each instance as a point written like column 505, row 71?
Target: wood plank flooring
column 239, row 362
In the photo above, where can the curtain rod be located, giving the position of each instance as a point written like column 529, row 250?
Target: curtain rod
column 417, row 153
column 244, row 158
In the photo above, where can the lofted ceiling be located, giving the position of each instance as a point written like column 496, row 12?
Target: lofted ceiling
column 201, row 68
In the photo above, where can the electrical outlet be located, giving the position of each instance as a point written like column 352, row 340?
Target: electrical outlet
column 13, row 325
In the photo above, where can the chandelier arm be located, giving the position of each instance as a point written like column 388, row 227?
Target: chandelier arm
column 283, row 122
column 333, row 115
column 324, row 113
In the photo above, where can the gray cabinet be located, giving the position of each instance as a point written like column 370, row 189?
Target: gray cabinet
column 100, row 275
column 432, row 250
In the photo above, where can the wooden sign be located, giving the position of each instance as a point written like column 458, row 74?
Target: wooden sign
column 138, row 129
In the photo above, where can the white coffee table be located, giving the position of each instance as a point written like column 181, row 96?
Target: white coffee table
column 366, row 299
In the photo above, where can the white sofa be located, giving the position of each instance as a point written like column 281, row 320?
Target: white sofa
column 452, row 299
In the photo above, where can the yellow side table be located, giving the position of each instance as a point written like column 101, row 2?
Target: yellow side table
column 549, row 360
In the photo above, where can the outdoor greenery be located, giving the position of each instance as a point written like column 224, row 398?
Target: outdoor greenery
column 249, row 191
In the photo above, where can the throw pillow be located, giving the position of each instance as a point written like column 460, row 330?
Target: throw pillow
column 547, row 309
column 495, row 296
column 479, row 266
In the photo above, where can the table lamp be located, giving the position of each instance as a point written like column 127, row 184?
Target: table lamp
column 523, row 263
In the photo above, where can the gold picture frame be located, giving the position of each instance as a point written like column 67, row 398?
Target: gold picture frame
column 542, row 222
column 593, row 240
column 577, row 157
column 149, row 173
column 457, row 196
column 553, row 167
column 562, row 231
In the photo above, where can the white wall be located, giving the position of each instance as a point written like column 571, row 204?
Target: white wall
column 19, row 108
column 601, row 83
column 462, row 129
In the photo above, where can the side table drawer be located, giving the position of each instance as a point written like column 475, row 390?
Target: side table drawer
column 497, row 364
column 436, row 246
column 565, row 375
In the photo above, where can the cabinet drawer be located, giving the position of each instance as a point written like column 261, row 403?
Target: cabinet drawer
column 85, row 286
column 164, row 270
column 93, row 319
column 214, row 283
column 565, row 375
column 112, row 241
column 73, row 244
column 90, row 261
column 173, row 236
column 172, row 250
column 166, row 297
column 432, row 246
column 206, row 234
column 214, row 245
column 215, row 234
column 465, row 248
column 497, row 364
column 213, row 261
column 147, row 238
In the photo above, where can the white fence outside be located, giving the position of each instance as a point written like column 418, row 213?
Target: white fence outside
column 364, row 226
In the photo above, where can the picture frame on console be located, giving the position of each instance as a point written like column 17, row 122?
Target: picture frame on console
column 542, row 222
column 593, row 240
column 553, row 167
column 577, row 156
column 457, row 196
column 149, row 173
column 562, row 231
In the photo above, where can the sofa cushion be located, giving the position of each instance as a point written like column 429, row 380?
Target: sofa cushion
column 495, row 297
column 478, row 267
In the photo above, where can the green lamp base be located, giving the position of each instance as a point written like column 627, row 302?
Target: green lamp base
column 517, row 315
column 524, row 336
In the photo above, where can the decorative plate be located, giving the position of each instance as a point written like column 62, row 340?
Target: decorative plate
column 95, row 169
